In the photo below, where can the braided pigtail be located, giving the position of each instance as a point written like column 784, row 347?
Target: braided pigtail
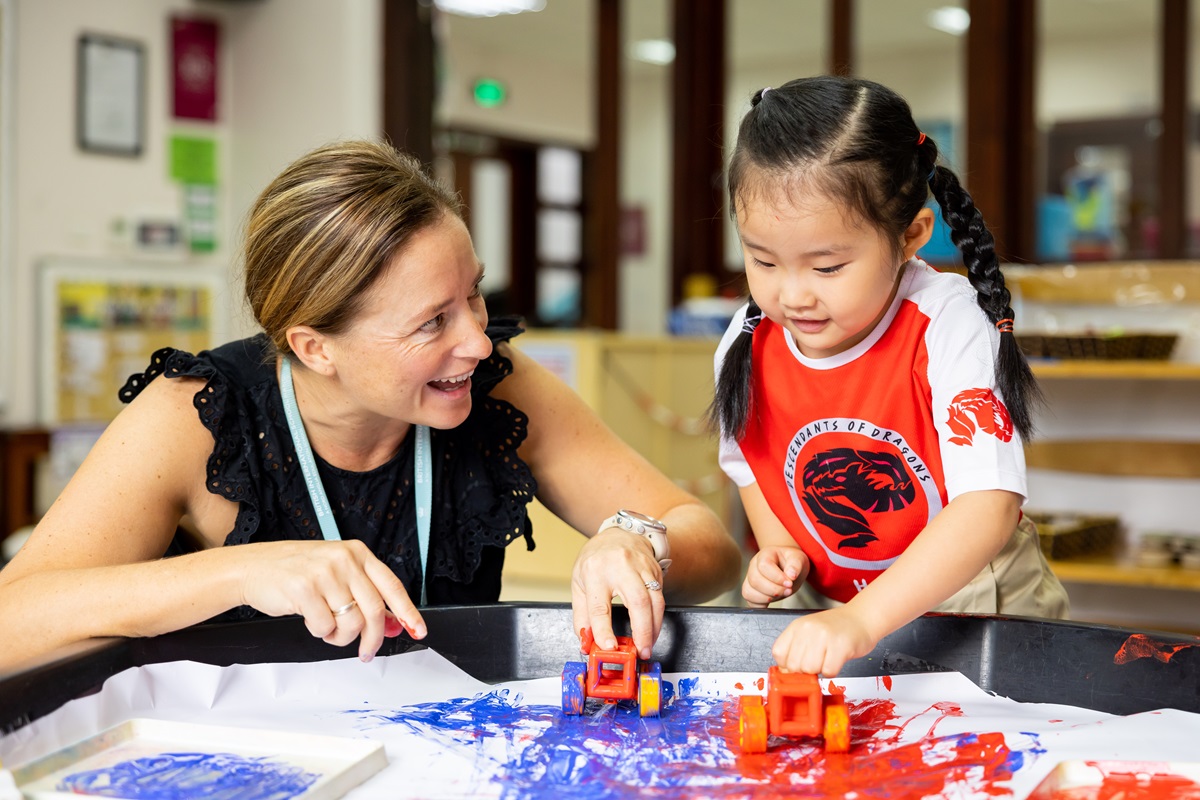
column 730, row 407
column 969, row 233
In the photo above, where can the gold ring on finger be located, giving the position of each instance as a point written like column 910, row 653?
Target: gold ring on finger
column 337, row 612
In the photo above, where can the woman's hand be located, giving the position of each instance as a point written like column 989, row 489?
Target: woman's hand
column 821, row 643
column 340, row 588
column 774, row 573
column 612, row 564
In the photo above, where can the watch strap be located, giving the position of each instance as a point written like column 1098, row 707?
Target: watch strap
column 655, row 535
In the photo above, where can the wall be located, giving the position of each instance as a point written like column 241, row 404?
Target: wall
column 550, row 103
column 293, row 75
column 7, row 124
column 306, row 72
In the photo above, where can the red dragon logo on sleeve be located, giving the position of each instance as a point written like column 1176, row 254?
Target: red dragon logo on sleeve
column 978, row 408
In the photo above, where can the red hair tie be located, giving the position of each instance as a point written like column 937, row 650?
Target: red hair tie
column 1004, row 325
column 921, row 139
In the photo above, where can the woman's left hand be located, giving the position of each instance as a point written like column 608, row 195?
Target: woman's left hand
column 616, row 564
column 822, row 643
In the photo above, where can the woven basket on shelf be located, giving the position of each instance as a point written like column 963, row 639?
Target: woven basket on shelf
column 1064, row 535
column 1125, row 346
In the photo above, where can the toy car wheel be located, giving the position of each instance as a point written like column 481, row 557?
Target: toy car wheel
column 573, row 694
column 752, row 724
column 837, row 725
column 650, row 690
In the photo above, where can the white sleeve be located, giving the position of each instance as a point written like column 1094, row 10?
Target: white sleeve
column 730, row 455
column 980, row 448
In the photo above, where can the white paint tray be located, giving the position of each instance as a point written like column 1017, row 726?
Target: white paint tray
column 144, row 757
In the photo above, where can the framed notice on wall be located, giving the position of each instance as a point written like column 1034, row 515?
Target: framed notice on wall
column 99, row 323
column 111, row 95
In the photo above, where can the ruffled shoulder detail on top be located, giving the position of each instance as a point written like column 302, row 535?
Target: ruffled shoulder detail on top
column 229, row 473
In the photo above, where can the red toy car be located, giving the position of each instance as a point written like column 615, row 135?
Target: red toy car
column 795, row 706
column 611, row 675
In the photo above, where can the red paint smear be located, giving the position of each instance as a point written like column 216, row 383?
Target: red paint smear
column 1122, row 782
column 739, row 686
column 761, row 683
column 915, row 770
column 1139, row 645
column 885, row 680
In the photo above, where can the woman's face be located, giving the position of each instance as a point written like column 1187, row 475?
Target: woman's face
column 816, row 271
column 410, row 353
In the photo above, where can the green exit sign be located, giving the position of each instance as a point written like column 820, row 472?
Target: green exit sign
column 489, row 93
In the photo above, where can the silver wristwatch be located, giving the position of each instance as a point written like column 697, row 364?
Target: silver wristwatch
column 652, row 529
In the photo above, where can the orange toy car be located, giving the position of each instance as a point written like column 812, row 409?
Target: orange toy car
column 611, row 675
column 795, row 706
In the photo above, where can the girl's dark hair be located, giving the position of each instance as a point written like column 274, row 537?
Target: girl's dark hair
column 855, row 141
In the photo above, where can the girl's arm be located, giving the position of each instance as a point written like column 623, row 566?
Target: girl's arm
column 93, row 567
column 944, row 557
column 585, row 474
column 779, row 567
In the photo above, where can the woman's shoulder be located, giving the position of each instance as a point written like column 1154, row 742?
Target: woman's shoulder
column 242, row 362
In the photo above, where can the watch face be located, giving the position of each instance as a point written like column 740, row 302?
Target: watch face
column 646, row 520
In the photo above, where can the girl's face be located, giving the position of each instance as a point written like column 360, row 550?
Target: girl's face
column 817, row 271
column 410, row 352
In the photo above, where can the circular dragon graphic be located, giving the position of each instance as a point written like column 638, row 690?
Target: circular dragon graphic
column 852, row 474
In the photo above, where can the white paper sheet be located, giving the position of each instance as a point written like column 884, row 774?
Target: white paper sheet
column 448, row 735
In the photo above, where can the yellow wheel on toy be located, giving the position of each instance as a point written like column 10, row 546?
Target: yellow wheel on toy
column 649, row 694
column 837, row 725
column 752, row 724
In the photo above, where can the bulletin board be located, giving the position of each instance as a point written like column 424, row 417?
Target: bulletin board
column 99, row 323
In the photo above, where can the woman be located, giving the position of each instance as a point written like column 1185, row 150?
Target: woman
column 376, row 395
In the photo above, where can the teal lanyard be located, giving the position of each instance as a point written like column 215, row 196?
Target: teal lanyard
column 422, row 469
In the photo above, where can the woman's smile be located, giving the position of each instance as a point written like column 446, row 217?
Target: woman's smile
column 455, row 387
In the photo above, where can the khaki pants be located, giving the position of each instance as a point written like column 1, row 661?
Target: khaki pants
column 1017, row 582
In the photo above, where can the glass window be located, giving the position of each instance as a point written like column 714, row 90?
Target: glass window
column 1098, row 117
column 516, row 109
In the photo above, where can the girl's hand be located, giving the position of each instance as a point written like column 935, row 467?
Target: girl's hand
column 823, row 642
column 773, row 574
column 613, row 563
column 315, row 579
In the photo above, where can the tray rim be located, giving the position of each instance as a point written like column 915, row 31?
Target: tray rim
column 360, row 758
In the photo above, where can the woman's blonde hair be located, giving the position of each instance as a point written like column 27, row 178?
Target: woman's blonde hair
column 322, row 232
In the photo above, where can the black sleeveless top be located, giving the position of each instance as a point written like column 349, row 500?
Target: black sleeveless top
column 480, row 487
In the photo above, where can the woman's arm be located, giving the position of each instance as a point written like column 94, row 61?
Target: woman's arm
column 952, row 549
column 586, row 473
column 93, row 566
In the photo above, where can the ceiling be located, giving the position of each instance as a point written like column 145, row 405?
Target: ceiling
column 768, row 31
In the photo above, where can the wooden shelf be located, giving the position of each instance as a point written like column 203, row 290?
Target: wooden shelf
column 1136, row 370
column 1125, row 573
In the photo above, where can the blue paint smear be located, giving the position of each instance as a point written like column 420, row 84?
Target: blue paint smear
column 602, row 754
column 173, row 776
column 609, row 752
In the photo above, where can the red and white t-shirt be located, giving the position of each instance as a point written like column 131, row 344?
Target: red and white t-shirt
column 856, row 453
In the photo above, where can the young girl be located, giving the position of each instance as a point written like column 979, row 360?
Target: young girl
column 872, row 409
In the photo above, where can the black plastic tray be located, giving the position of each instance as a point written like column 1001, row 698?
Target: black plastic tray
column 1029, row 660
